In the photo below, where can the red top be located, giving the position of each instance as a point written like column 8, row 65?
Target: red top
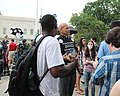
column 12, row 46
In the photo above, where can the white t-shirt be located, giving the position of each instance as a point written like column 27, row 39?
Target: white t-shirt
column 48, row 56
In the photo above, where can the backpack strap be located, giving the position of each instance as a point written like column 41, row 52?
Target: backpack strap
column 37, row 45
column 43, row 76
column 34, row 42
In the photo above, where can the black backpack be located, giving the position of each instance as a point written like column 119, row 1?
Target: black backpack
column 24, row 80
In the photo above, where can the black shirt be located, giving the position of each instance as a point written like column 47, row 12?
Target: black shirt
column 66, row 44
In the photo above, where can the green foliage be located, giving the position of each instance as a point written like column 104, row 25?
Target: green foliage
column 88, row 26
column 95, row 18
column 104, row 10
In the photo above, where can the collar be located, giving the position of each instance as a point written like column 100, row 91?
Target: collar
column 116, row 52
column 64, row 36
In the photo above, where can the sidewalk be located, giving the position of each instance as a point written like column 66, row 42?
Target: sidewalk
column 4, row 84
column 82, row 86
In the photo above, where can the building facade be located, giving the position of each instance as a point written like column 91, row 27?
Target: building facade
column 27, row 25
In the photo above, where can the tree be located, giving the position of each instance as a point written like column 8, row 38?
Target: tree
column 104, row 10
column 88, row 26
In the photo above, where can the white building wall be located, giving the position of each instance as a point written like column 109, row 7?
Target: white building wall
column 17, row 22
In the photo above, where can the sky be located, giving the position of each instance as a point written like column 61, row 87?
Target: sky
column 27, row 8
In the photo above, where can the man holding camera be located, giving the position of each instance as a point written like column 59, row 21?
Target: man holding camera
column 66, row 85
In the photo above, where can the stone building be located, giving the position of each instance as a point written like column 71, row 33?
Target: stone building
column 26, row 24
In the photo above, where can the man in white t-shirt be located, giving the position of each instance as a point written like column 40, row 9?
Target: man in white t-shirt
column 49, row 57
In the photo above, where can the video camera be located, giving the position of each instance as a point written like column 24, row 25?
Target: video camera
column 72, row 30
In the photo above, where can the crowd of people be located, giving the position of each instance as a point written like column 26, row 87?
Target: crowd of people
column 10, row 51
column 96, row 65
column 67, row 62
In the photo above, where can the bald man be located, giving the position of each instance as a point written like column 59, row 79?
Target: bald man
column 66, row 85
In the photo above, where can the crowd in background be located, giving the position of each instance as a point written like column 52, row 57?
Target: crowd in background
column 96, row 63
column 90, row 56
column 10, row 51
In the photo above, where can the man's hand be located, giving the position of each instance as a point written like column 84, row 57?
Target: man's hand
column 66, row 57
column 70, row 58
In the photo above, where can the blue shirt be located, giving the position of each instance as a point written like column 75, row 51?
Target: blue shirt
column 108, row 71
column 103, row 50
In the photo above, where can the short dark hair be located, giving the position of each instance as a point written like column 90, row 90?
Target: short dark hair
column 94, row 38
column 24, row 40
column 113, row 37
column 114, row 23
column 48, row 22
column 12, row 40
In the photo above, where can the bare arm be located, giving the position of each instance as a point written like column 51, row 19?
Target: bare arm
column 84, row 60
column 115, row 89
column 95, row 62
column 62, row 70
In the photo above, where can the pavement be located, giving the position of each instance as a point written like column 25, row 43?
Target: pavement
column 82, row 86
column 4, row 84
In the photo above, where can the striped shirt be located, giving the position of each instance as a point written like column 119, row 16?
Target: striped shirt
column 108, row 72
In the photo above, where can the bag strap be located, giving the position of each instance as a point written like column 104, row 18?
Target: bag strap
column 34, row 42
column 43, row 76
column 37, row 45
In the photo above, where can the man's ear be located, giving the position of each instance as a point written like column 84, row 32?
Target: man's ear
column 111, row 44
